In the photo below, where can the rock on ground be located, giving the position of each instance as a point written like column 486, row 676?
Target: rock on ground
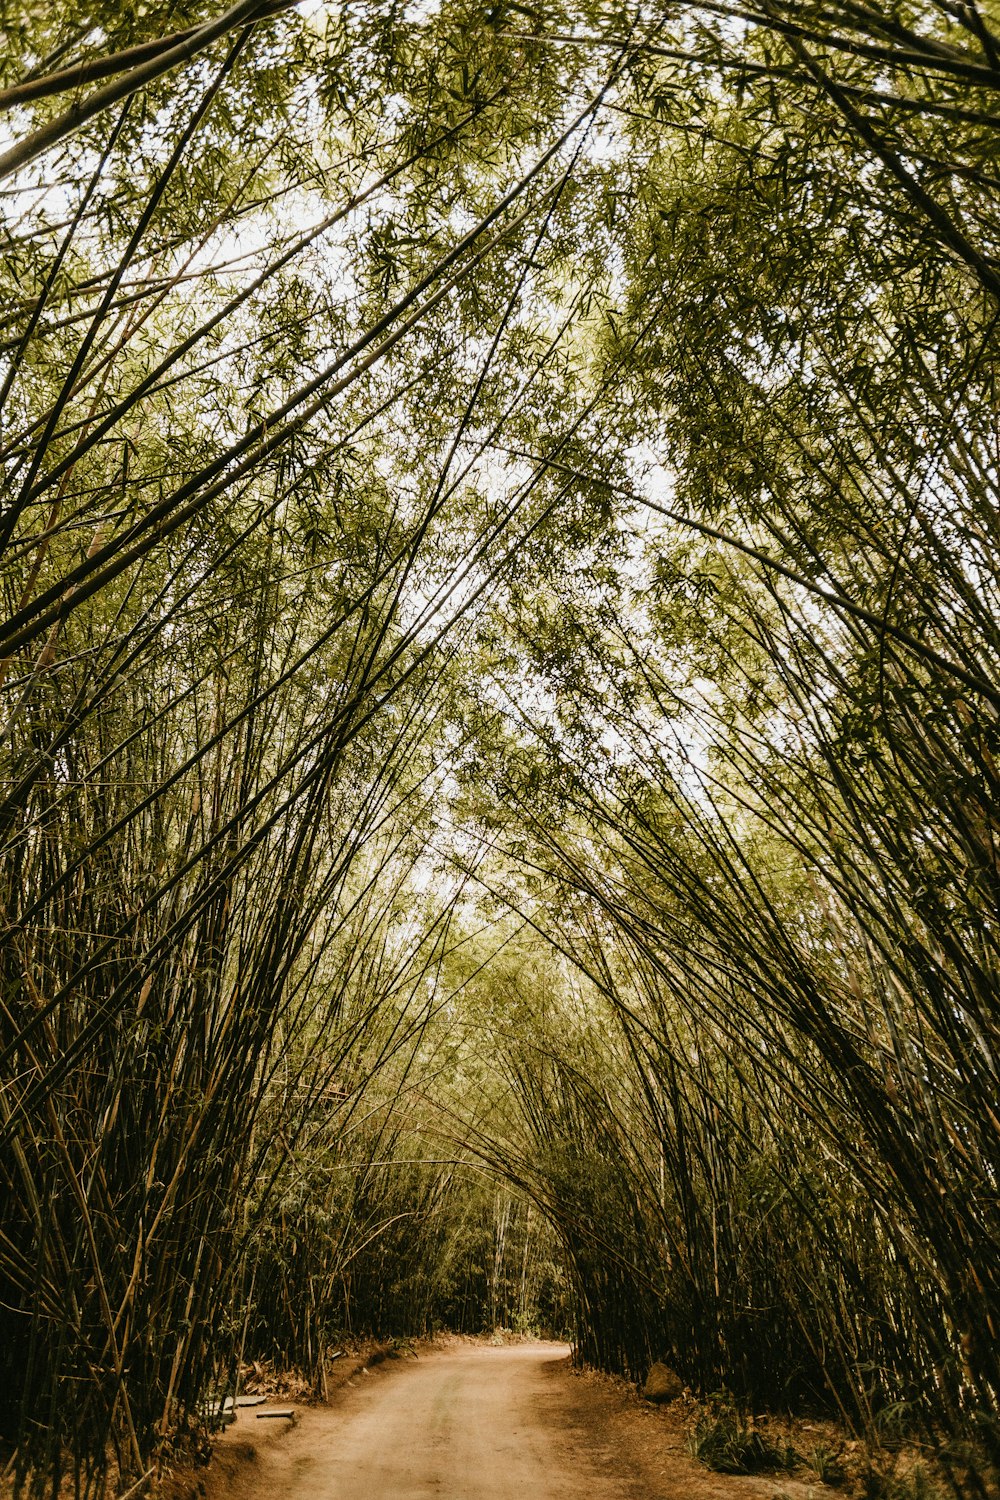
column 662, row 1384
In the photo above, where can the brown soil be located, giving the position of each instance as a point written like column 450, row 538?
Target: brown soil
column 470, row 1421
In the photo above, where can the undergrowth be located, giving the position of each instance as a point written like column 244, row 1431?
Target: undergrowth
column 729, row 1443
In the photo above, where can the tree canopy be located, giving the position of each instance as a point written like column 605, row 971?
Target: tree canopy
column 500, row 685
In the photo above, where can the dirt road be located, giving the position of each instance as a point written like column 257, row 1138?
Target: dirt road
column 470, row 1422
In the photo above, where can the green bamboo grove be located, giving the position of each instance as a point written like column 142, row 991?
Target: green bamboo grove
column 499, row 704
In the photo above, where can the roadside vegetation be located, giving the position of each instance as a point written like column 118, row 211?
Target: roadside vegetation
column 499, row 706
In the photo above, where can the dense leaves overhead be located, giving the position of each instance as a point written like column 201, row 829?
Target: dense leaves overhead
column 485, row 481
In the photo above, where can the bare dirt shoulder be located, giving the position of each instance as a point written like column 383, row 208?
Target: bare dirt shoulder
column 654, row 1442
column 282, row 1402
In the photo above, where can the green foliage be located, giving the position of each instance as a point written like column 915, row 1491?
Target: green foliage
column 724, row 1441
column 499, row 648
column 827, row 1464
column 886, row 1482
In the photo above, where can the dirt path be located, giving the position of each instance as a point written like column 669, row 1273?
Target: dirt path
column 470, row 1422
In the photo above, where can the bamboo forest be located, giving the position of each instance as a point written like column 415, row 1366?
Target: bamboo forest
column 500, row 709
